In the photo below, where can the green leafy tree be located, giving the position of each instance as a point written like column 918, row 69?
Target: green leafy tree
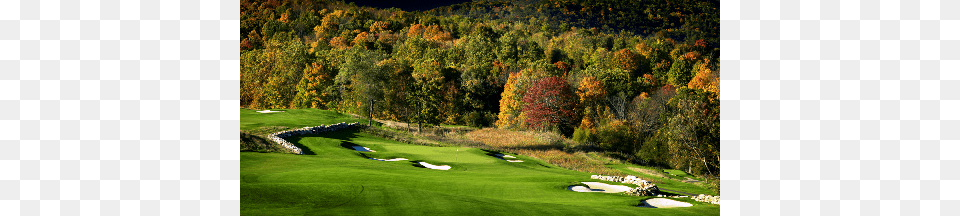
column 367, row 79
column 426, row 93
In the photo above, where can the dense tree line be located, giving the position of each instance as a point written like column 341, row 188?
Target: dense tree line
column 644, row 84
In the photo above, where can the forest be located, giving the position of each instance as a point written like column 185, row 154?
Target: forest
column 638, row 78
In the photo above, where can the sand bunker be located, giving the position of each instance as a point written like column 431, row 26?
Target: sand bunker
column 663, row 203
column 431, row 166
column 599, row 187
column 504, row 157
column 268, row 111
column 395, row 159
column 363, row 149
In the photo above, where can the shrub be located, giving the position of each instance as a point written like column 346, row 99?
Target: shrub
column 583, row 135
column 653, row 152
column 616, row 137
column 475, row 119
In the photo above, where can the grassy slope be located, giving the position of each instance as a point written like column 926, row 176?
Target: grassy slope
column 339, row 181
column 251, row 120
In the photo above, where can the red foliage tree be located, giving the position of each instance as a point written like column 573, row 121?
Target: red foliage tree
column 549, row 103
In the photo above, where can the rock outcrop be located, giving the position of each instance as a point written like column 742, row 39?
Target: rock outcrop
column 707, row 199
column 646, row 188
column 279, row 136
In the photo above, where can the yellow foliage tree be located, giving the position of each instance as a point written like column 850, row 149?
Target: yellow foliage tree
column 310, row 90
column 378, row 26
column 510, row 103
column 588, row 122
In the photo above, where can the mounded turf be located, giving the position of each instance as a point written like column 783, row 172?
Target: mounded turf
column 296, row 118
column 333, row 179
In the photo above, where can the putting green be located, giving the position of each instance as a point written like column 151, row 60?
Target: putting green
column 333, row 179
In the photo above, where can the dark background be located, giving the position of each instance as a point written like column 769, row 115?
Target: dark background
column 407, row 5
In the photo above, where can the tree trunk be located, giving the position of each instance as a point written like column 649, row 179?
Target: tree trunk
column 419, row 119
column 370, row 120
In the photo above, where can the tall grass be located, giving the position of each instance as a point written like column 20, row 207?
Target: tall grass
column 549, row 147
column 256, row 143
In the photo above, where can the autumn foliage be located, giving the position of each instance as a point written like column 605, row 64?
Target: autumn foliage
column 591, row 91
column 510, row 103
column 550, row 103
column 310, row 90
column 618, row 70
column 626, row 60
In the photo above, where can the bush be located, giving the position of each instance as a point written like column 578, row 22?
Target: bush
column 616, row 137
column 475, row 119
column 654, row 152
column 583, row 136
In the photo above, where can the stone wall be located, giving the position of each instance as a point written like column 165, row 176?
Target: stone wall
column 645, row 188
column 279, row 136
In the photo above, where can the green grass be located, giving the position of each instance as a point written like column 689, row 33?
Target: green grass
column 683, row 175
column 251, row 120
column 333, row 180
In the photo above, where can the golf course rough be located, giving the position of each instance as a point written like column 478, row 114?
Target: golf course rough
column 329, row 179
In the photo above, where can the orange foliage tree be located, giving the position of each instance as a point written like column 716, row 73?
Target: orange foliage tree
column 706, row 78
column 361, row 39
column 626, row 60
column 591, row 91
column 339, row 43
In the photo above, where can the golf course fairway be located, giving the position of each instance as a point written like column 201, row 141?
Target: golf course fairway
column 333, row 179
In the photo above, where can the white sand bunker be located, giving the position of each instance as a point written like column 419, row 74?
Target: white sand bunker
column 268, row 111
column 363, row 149
column 395, row 159
column 504, row 157
column 431, row 166
column 599, row 187
column 663, row 203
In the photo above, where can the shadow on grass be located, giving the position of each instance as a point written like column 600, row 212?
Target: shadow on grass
column 417, row 164
column 296, row 142
column 674, row 193
column 340, row 135
column 492, row 153
column 351, row 146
